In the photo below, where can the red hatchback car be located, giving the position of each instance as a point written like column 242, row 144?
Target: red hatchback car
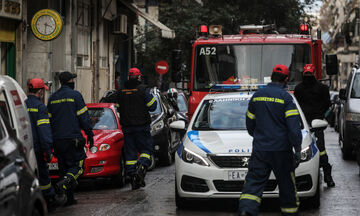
column 106, row 157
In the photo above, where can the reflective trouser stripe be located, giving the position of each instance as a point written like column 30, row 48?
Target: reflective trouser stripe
column 145, row 155
column 250, row 197
column 45, row 187
column 289, row 210
column 81, row 169
column 323, row 153
column 132, row 162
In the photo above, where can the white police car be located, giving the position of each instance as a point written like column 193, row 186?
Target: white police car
column 213, row 157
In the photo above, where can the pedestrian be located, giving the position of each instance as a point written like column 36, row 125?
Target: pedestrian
column 68, row 116
column 42, row 141
column 273, row 120
column 135, row 101
column 314, row 100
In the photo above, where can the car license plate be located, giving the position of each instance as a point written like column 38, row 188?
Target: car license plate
column 53, row 166
column 236, row 175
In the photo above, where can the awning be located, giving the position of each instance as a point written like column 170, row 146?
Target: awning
column 165, row 31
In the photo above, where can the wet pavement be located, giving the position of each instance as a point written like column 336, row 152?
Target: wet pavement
column 99, row 197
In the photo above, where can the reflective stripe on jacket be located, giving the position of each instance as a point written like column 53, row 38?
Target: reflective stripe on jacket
column 273, row 120
column 40, row 124
column 68, row 114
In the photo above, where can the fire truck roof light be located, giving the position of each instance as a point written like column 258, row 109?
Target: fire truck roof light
column 203, row 29
column 304, row 27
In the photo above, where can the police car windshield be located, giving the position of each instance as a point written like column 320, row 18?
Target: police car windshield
column 222, row 114
column 158, row 106
column 355, row 90
column 247, row 63
column 102, row 119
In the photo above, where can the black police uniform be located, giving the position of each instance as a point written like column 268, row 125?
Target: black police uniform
column 314, row 99
column 273, row 120
column 68, row 115
column 42, row 139
column 135, row 101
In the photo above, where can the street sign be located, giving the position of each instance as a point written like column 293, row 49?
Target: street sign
column 161, row 67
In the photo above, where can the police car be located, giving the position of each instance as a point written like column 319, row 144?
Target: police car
column 212, row 159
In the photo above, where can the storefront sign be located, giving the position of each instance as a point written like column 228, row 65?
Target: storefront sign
column 11, row 9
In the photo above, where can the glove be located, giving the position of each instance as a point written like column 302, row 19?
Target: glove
column 90, row 140
column 48, row 157
column 297, row 158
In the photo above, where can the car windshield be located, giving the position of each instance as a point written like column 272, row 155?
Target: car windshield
column 181, row 101
column 222, row 114
column 355, row 90
column 102, row 119
column 247, row 63
column 158, row 107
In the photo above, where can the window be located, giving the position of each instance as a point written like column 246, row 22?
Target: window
column 5, row 108
column 102, row 119
column 83, row 34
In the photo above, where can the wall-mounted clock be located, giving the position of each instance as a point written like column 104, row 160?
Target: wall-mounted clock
column 46, row 24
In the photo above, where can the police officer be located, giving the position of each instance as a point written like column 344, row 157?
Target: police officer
column 273, row 120
column 42, row 140
column 135, row 101
column 68, row 115
column 314, row 99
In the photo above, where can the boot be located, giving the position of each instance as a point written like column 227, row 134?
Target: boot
column 140, row 175
column 327, row 176
column 134, row 182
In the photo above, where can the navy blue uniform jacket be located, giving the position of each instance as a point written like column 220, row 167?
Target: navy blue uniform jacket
column 40, row 125
column 68, row 114
column 273, row 120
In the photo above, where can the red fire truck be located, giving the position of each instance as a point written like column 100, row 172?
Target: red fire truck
column 248, row 57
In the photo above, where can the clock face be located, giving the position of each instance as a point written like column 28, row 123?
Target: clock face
column 46, row 24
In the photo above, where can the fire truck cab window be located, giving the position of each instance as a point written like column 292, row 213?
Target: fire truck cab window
column 247, row 63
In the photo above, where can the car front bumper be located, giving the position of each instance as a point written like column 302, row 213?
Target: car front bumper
column 196, row 181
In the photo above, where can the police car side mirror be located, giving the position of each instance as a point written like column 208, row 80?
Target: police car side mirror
column 318, row 124
column 178, row 126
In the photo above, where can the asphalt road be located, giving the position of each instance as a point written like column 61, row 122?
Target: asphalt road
column 99, row 197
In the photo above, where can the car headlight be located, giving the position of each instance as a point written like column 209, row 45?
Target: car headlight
column 306, row 154
column 104, row 147
column 157, row 127
column 191, row 157
column 353, row 117
column 93, row 149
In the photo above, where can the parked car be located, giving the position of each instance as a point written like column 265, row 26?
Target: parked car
column 105, row 159
column 213, row 158
column 180, row 103
column 20, row 192
column 349, row 127
column 166, row 140
column 12, row 104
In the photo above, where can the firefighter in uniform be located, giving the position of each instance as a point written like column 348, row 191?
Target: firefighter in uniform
column 135, row 101
column 314, row 99
column 68, row 115
column 273, row 120
column 42, row 140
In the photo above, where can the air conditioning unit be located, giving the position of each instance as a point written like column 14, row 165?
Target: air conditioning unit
column 120, row 25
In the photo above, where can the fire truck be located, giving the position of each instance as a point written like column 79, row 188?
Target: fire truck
column 248, row 57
